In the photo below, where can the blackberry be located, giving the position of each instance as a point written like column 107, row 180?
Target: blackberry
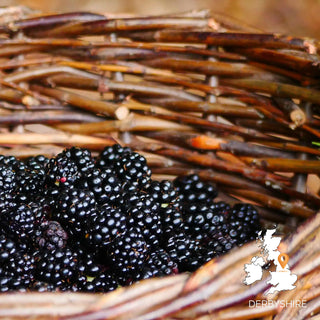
column 7, row 248
column 7, row 179
column 103, row 228
column 17, row 273
column 50, row 235
column 104, row 184
column 221, row 245
column 128, row 254
column 161, row 264
column 19, row 222
column 30, row 178
column 192, row 189
column 163, row 192
column 133, row 167
column 82, row 158
column 185, row 251
column 58, row 267
column 73, row 209
column 171, row 219
column 110, row 155
column 104, row 282
column 244, row 223
column 143, row 211
column 202, row 220
column 62, row 171
column 39, row 160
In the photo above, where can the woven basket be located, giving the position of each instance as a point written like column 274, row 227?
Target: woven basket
column 194, row 92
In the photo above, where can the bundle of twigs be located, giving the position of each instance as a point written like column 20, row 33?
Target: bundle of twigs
column 197, row 92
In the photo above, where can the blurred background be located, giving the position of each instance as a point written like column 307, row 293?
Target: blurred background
column 295, row 17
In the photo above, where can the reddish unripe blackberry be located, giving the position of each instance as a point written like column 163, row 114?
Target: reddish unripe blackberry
column 133, row 167
column 192, row 189
column 50, row 235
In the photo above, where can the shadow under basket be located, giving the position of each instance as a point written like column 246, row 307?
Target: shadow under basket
column 195, row 92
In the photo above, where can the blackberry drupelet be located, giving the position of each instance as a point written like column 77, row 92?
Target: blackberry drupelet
column 50, row 235
column 73, row 209
column 128, row 254
column 133, row 167
column 192, row 189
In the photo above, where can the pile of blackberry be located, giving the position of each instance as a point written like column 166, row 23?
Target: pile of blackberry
column 82, row 223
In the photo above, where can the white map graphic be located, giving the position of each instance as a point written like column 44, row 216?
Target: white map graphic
column 282, row 278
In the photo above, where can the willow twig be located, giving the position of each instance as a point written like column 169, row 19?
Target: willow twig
column 96, row 106
column 285, row 165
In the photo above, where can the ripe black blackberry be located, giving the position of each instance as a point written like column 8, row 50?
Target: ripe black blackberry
column 142, row 212
column 73, row 209
column 185, row 251
column 203, row 220
column 104, row 282
column 110, row 155
column 62, row 171
column 16, row 266
column 58, row 268
column 104, row 184
column 7, row 179
column 104, row 227
column 221, row 244
column 192, row 189
column 161, row 264
column 163, row 192
column 244, row 223
column 133, row 167
column 50, row 235
column 40, row 160
column 30, row 178
column 171, row 219
column 128, row 254
column 19, row 222
column 82, row 158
